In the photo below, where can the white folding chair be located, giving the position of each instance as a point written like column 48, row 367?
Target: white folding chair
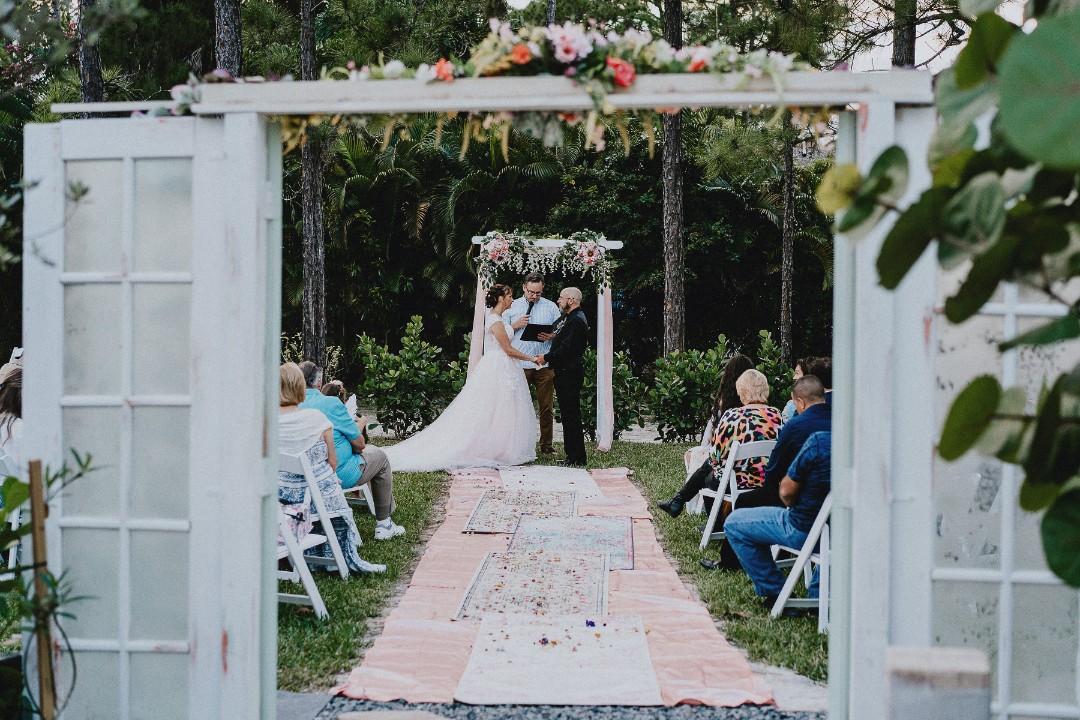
column 294, row 551
column 364, row 498
column 693, row 459
column 300, row 465
column 9, row 468
column 728, row 488
column 805, row 559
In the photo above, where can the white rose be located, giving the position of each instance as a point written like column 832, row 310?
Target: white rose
column 393, row 69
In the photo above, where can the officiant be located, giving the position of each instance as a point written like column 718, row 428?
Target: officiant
column 532, row 308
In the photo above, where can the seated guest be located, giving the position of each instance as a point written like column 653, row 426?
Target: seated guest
column 755, row 420
column 301, row 430
column 358, row 462
column 11, row 431
column 800, row 369
column 821, row 368
column 753, row 531
column 813, row 415
column 336, row 388
column 699, row 460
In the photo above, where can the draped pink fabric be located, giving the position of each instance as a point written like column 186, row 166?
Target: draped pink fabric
column 605, row 408
column 476, row 345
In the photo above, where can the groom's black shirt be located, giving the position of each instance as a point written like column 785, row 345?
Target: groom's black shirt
column 568, row 345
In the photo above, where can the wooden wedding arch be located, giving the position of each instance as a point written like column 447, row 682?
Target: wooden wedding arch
column 152, row 313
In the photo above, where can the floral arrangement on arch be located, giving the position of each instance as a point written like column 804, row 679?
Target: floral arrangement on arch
column 583, row 253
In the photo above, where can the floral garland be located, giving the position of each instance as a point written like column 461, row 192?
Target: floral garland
column 583, row 253
column 601, row 61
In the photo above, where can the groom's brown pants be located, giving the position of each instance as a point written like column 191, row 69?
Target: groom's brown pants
column 543, row 379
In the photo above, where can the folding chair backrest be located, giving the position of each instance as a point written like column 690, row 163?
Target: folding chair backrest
column 706, row 435
column 739, row 451
column 301, row 465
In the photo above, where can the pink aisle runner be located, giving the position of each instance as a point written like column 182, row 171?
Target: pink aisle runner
column 422, row 653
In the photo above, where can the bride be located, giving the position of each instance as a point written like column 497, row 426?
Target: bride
column 491, row 422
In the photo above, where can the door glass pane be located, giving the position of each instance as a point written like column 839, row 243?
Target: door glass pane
column 159, row 585
column 90, row 560
column 163, row 215
column 97, row 685
column 95, row 431
column 162, row 318
column 153, row 699
column 92, row 340
column 1044, row 644
column 93, row 226
column 159, row 483
column 966, row 495
column 966, row 615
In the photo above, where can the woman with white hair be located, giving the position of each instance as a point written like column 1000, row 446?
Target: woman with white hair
column 755, row 420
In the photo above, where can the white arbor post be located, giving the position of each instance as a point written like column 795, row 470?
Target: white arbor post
column 151, row 339
column 883, row 434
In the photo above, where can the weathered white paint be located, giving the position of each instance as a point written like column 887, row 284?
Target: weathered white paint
column 234, row 282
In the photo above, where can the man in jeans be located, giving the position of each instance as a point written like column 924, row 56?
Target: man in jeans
column 752, row 531
column 358, row 462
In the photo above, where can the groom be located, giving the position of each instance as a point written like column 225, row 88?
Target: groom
column 532, row 307
column 565, row 356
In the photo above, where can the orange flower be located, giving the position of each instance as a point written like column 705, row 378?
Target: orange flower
column 444, row 70
column 696, row 64
column 624, row 71
column 520, row 54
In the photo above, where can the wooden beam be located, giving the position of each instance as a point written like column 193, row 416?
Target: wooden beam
column 519, row 94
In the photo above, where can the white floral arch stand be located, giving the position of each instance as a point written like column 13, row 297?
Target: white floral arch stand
column 605, row 410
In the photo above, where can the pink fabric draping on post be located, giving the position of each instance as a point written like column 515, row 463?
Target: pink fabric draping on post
column 421, row 654
column 476, row 344
column 605, row 409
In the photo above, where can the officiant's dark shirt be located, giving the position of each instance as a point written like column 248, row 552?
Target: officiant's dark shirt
column 568, row 345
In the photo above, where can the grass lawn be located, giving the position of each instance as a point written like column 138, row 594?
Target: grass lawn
column 311, row 653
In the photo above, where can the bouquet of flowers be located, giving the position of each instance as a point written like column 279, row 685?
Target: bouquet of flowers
column 504, row 251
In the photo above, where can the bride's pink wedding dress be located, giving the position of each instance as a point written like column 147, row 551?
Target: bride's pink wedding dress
column 490, row 423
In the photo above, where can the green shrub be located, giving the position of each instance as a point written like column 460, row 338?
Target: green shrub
column 773, row 367
column 628, row 394
column 684, row 386
column 408, row 389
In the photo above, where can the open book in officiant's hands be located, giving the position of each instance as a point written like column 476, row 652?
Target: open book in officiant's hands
column 533, row 330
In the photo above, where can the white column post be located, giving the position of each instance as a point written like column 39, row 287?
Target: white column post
column 235, row 336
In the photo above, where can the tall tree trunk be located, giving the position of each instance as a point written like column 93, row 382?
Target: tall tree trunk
column 311, row 182
column 550, row 12
column 227, row 35
column 91, row 84
column 787, row 250
column 903, row 49
column 674, row 245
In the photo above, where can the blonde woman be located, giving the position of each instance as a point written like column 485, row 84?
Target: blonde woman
column 309, row 431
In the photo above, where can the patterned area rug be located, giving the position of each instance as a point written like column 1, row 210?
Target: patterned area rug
column 578, row 535
column 498, row 511
column 537, row 583
column 551, row 479
column 556, row 661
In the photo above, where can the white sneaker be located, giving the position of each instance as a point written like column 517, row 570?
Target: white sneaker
column 367, row 567
column 385, row 532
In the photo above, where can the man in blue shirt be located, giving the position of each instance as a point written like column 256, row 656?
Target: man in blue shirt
column 532, row 307
column 814, row 414
column 753, row 531
column 358, row 462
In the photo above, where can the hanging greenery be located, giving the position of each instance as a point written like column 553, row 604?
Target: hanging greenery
column 583, row 253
